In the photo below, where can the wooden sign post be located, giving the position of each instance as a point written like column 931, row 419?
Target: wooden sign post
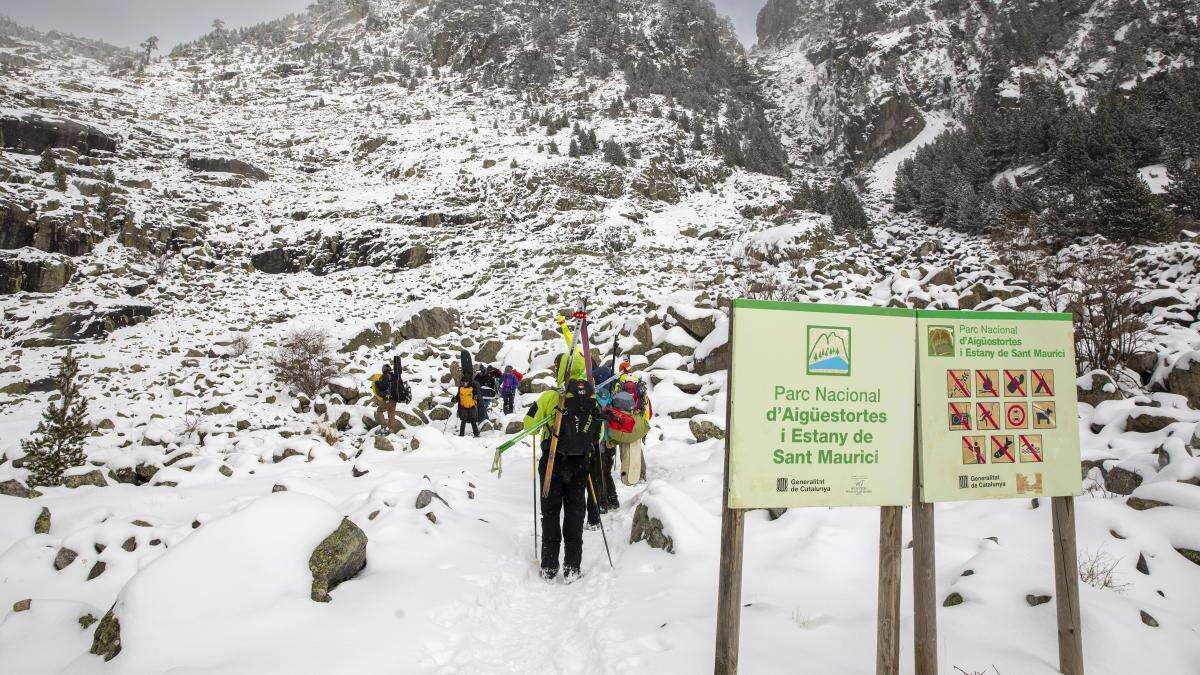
column 998, row 420
column 820, row 413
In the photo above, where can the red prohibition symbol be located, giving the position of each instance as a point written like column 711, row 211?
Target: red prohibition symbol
column 1016, row 416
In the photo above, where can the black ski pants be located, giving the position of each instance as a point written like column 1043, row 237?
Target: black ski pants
column 563, row 509
column 601, row 467
column 508, row 401
column 462, row 427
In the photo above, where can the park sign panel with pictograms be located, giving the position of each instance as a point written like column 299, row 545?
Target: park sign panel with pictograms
column 821, row 405
column 998, row 405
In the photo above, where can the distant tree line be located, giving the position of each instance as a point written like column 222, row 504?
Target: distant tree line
column 1074, row 165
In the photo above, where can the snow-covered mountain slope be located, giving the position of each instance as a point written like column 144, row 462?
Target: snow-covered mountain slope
column 854, row 80
column 316, row 172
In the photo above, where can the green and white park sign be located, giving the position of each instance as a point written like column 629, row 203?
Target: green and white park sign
column 821, row 405
column 998, row 405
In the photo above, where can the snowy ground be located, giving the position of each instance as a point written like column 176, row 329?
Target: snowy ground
column 462, row 595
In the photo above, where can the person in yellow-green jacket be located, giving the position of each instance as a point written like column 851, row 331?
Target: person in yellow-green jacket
column 565, row 503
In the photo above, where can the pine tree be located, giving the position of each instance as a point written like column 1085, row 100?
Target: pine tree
column 613, row 154
column 573, row 150
column 60, row 179
column 1125, row 209
column 1184, row 191
column 846, row 210
column 47, row 165
column 57, row 444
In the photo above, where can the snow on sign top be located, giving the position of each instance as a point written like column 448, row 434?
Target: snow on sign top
column 998, row 405
column 822, row 405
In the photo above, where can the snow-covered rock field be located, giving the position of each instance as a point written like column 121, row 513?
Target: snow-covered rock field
column 422, row 215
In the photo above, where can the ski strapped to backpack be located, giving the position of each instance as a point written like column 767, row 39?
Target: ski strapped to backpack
column 558, row 415
column 552, row 418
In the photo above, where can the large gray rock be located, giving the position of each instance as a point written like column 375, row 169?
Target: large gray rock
column 106, row 641
column 697, row 323
column 432, row 322
column 93, row 477
column 275, row 261
column 88, row 320
column 226, row 165
column 340, row 557
column 716, row 360
column 1184, row 378
column 488, row 351
column 649, row 529
column 30, row 270
column 1145, row 421
column 14, row 488
column 33, row 132
column 1102, row 388
column 1121, row 481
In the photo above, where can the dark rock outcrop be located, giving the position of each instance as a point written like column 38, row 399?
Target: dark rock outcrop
column 34, row 271
column 275, row 261
column 87, row 320
column 33, row 133
column 226, row 165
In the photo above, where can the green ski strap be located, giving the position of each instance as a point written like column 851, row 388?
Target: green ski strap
column 497, row 466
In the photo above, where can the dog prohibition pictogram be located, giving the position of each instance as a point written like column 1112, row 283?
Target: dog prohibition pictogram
column 988, row 415
column 958, row 383
column 1015, row 383
column 1002, row 449
column 987, row 383
column 1043, row 381
column 960, row 416
column 1044, row 415
column 1016, row 415
column 1031, row 447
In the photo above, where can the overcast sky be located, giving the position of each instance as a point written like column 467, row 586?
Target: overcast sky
column 128, row 22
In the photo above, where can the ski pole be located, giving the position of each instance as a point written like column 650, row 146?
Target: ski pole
column 602, row 534
column 536, row 550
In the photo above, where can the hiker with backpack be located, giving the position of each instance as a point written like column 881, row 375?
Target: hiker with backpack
column 564, row 501
column 508, row 387
column 467, row 399
column 382, row 392
column 486, row 383
column 628, row 424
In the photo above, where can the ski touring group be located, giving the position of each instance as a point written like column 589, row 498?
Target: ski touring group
column 594, row 420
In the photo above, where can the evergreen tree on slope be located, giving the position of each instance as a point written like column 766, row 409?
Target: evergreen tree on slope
column 57, row 443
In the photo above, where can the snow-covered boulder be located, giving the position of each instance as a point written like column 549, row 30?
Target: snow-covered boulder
column 713, row 354
column 1184, row 378
column 1097, row 386
column 696, row 321
column 32, row 271
column 668, row 519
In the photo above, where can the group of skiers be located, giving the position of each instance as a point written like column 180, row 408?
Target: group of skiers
column 594, row 419
column 579, row 449
column 476, row 393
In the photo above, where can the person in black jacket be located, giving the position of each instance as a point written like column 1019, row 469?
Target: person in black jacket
column 578, row 440
column 487, row 391
column 467, row 399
